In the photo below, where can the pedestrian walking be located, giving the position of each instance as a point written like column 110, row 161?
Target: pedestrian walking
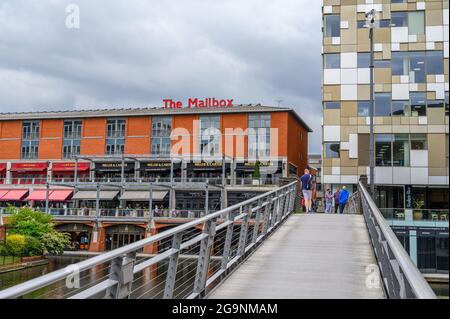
column 328, row 201
column 306, row 180
column 343, row 199
column 336, row 200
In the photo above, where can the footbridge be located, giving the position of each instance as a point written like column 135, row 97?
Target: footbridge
column 255, row 249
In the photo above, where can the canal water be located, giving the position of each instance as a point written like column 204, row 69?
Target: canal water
column 147, row 284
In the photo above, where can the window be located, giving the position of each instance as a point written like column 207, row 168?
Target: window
column 332, row 60
column 332, row 25
column 446, row 103
column 332, row 105
column 386, row 64
column 435, row 103
column 115, row 146
column 332, row 150
column 399, row 1
column 418, row 104
column 72, row 138
column 435, row 62
column 363, row 60
column 363, row 108
column 382, row 104
column 419, row 141
column 161, row 130
column 30, row 139
column 209, row 134
column 259, row 135
column 400, row 108
column 383, row 149
column 400, row 150
column 411, row 64
column 414, row 20
column 115, row 128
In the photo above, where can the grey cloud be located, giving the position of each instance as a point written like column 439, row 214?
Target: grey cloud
column 135, row 53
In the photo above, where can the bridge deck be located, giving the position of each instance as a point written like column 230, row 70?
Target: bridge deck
column 310, row 256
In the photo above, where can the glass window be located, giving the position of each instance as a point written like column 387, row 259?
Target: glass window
column 446, row 104
column 259, row 134
column 400, row 108
column 383, row 149
column 332, row 25
column 161, row 130
column 435, row 103
column 399, row 19
column 363, row 60
column 417, row 67
column 384, row 23
column 435, row 62
column 418, row 104
column 382, row 104
column 418, row 141
column 399, row 1
column 332, row 60
column 332, row 105
column 400, row 64
column 115, row 128
column 416, row 22
column 363, row 108
column 361, row 24
column 332, row 150
column 209, row 134
column 382, row 64
column 400, row 150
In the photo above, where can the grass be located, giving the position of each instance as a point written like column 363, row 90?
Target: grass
column 7, row 260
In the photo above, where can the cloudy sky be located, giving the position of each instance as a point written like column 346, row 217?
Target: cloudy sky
column 136, row 53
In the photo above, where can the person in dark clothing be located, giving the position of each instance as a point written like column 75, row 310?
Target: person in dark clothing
column 306, row 180
column 336, row 200
column 343, row 199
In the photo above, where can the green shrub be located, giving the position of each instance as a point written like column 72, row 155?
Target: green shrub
column 28, row 222
column 33, row 247
column 15, row 245
column 54, row 243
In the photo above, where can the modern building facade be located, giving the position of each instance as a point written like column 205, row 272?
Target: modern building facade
column 94, row 169
column 411, row 85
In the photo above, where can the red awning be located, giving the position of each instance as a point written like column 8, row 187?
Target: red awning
column 60, row 195
column 70, row 167
column 14, row 195
column 38, row 194
column 28, row 167
column 2, row 167
column 3, row 192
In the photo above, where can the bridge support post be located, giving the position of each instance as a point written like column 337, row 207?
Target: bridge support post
column 121, row 271
column 244, row 231
column 280, row 211
column 227, row 244
column 203, row 259
column 173, row 264
column 267, row 214
column 256, row 224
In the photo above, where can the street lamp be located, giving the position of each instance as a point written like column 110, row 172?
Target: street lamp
column 370, row 23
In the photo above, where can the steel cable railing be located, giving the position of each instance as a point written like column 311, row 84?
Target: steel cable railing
column 244, row 225
column 401, row 278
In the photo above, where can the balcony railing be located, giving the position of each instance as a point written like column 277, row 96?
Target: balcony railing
column 429, row 215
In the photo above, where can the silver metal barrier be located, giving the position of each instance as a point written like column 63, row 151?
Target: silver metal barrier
column 401, row 278
column 213, row 245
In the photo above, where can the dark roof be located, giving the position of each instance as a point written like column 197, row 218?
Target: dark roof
column 147, row 111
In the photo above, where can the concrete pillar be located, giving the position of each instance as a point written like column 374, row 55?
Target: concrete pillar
column 152, row 248
column 98, row 237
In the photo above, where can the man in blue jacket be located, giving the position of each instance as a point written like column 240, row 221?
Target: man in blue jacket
column 343, row 199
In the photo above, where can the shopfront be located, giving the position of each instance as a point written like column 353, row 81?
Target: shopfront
column 268, row 170
column 80, row 235
column 203, row 169
column 122, row 235
column 65, row 172
column 150, row 171
column 29, row 173
column 112, row 171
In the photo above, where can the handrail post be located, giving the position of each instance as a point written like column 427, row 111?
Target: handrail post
column 244, row 231
column 173, row 264
column 204, row 257
column 121, row 271
column 256, row 222
column 227, row 243
column 267, row 214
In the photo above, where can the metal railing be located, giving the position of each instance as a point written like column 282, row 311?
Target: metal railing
column 401, row 278
column 183, row 262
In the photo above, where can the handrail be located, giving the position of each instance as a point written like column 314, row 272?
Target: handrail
column 419, row 286
column 284, row 196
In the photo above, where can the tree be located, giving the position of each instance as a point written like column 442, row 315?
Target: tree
column 257, row 173
column 54, row 243
column 15, row 245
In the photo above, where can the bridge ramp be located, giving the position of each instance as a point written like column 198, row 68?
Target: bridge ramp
column 309, row 256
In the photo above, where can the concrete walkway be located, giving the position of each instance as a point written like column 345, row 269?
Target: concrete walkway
column 309, row 256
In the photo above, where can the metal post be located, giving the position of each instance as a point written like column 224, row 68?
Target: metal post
column 267, row 214
column 371, row 111
column 122, row 171
column 76, row 172
column 243, row 233
column 172, row 269
column 150, row 203
column 121, row 271
column 206, row 198
column 227, row 244
column 204, row 256
column 256, row 224
column 47, row 191
column 97, row 203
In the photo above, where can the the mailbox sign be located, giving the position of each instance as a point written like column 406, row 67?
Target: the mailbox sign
column 209, row 102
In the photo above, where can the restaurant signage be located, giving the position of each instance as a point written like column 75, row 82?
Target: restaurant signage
column 28, row 167
column 70, row 167
column 250, row 166
column 207, row 165
column 113, row 166
column 209, row 102
column 158, row 166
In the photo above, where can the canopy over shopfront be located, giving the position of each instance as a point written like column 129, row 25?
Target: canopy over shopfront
column 28, row 167
column 70, row 167
column 14, row 195
column 92, row 195
column 143, row 195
